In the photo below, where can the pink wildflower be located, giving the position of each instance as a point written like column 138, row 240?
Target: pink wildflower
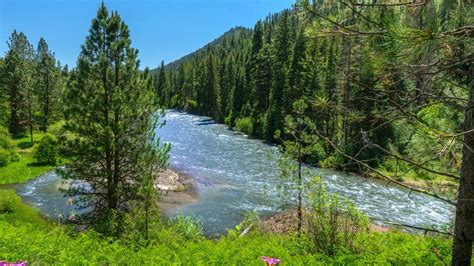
column 270, row 261
column 18, row 263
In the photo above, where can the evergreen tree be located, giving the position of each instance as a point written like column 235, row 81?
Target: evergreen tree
column 17, row 79
column 281, row 51
column 161, row 83
column 111, row 111
column 47, row 85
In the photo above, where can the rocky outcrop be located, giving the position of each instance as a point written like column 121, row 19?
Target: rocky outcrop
column 168, row 180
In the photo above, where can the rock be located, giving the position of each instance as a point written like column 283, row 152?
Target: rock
column 168, row 180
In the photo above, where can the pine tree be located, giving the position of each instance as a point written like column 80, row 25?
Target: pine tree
column 111, row 109
column 238, row 95
column 161, row 83
column 281, row 51
column 47, row 84
column 17, row 78
column 212, row 86
column 297, row 147
column 298, row 78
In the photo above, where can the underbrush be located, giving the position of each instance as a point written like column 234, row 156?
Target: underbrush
column 26, row 236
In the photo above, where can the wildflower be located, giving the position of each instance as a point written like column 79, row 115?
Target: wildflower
column 18, row 263
column 69, row 202
column 72, row 217
column 270, row 261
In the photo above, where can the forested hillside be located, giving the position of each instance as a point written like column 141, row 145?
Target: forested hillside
column 379, row 88
column 363, row 87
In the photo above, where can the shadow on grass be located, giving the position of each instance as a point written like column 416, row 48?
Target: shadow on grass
column 37, row 164
column 25, row 145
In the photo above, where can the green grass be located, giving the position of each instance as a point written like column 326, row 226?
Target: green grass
column 17, row 213
column 26, row 236
column 26, row 168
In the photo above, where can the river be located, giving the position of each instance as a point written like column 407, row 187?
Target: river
column 235, row 174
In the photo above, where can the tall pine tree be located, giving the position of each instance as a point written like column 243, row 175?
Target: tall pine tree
column 111, row 111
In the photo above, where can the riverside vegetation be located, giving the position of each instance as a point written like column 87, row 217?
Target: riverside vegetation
column 382, row 89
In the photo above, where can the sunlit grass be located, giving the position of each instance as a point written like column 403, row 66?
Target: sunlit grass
column 26, row 168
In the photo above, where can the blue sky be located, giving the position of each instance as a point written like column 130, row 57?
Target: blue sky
column 161, row 29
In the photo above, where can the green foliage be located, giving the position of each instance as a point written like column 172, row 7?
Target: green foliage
column 48, row 82
column 188, row 227
column 17, row 80
column 46, row 152
column 8, row 153
column 244, row 125
column 250, row 222
column 5, row 157
column 333, row 224
column 13, row 211
column 26, row 167
column 8, row 202
column 112, row 115
column 27, row 236
column 332, row 161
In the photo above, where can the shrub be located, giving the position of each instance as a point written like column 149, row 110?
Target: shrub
column 47, row 151
column 188, row 227
column 333, row 224
column 7, row 148
column 57, row 129
column 5, row 157
column 228, row 119
column 5, row 139
column 8, row 202
column 244, row 125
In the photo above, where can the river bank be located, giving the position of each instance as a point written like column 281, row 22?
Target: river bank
column 175, row 189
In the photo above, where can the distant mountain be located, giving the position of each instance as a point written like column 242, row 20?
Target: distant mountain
column 234, row 32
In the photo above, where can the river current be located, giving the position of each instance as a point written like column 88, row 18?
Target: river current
column 235, row 174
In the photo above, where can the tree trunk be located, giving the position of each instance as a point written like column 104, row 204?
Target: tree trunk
column 44, row 127
column 346, row 90
column 14, row 108
column 464, row 227
column 30, row 120
column 300, row 196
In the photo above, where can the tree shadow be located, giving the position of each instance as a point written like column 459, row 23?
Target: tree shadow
column 25, row 145
column 37, row 164
column 204, row 122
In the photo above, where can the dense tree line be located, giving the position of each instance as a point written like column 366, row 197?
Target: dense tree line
column 388, row 87
column 31, row 85
column 379, row 87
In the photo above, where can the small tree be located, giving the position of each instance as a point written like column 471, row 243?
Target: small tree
column 299, row 143
column 332, row 223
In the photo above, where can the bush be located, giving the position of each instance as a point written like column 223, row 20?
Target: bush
column 47, row 151
column 188, row 227
column 5, row 139
column 8, row 202
column 244, row 125
column 333, row 224
column 7, row 148
column 5, row 157
column 57, row 129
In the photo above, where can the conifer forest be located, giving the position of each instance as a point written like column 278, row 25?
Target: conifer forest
column 328, row 133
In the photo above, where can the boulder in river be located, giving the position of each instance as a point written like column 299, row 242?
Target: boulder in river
column 168, row 180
